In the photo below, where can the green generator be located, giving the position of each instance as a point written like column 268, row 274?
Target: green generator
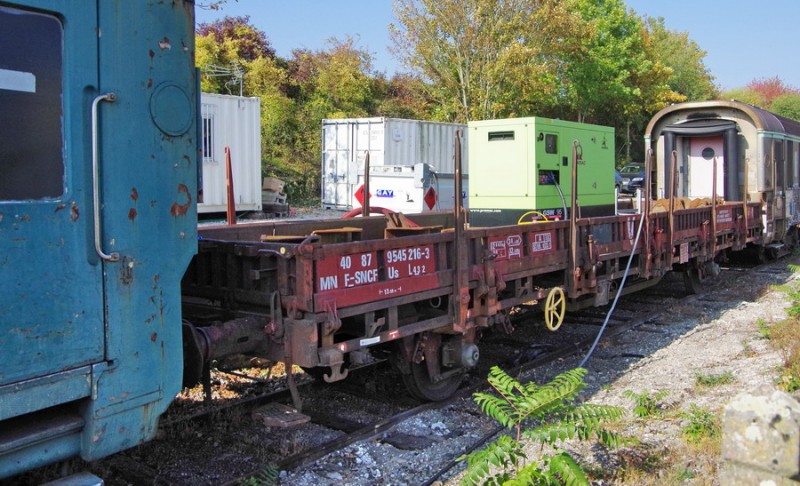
column 520, row 170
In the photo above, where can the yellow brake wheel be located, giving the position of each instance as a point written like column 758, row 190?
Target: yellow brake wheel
column 554, row 308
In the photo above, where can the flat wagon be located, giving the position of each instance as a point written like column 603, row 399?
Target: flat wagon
column 330, row 295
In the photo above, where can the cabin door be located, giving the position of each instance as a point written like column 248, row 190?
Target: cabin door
column 51, row 278
column 702, row 152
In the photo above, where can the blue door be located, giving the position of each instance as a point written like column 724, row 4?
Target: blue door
column 51, row 277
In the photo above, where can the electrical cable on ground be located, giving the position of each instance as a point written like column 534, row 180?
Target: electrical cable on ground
column 619, row 291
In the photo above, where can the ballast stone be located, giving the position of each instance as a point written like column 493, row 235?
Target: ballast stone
column 761, row 440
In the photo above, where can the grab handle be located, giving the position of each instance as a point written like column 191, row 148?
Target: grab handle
column 112, row 257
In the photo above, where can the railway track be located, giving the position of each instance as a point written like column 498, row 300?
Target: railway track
column 227, row 443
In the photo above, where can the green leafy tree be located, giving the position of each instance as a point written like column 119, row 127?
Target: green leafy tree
column 743, row 94
column 787, row 105
column 689, row 77
column 475, row 53
column 617, row 79
column 225, row 49
column 545, row 414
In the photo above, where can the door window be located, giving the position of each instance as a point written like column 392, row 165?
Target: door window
column 31, row 140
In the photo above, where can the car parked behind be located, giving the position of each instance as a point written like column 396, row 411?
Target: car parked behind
column 632, row 177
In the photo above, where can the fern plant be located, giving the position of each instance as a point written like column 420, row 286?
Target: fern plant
column 545, row 414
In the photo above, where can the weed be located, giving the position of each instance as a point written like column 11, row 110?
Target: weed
column 551, row 408
column 747, row 349
column 702, row 425
column 646, row 405
column 763, row 329
column 702, row 379
column 265, row 477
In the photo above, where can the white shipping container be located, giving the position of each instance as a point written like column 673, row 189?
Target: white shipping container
column 234, row 122
column 389, row 141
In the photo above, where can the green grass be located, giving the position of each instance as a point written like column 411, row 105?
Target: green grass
column 702, row 379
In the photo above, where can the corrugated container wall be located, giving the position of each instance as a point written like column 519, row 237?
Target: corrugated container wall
column 389, row 141
column 234, row 122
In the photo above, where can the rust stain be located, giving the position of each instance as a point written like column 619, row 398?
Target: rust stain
column 153, row 337
column 132, row 214
column 152, row 54
column 164, row 44
column 150, row 83
column 182, row 209
column 25, row 217
column 60, row 207
column 74, row 212
column 134, row 194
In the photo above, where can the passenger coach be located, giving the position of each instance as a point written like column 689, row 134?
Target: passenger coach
column 735, row 151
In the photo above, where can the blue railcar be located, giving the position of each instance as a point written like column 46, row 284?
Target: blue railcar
column 98, row 138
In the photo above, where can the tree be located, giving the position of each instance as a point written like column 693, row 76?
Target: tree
column 769, row 89
column 246, row 42
column 224, row 51
column 764, row 92
column 787, row 105
column 690, row 77
column 404, row 96
column 474, row 53
column 618, row 79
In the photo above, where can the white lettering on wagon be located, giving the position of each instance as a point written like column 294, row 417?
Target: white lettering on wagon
column 413, row 261
column 346, row 271
column 542, row 242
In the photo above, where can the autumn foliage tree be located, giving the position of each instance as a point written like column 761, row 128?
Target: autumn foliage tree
column 770, row 94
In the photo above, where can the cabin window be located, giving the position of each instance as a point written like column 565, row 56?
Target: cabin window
column 208, row 132
column 791, row 158
column 31, row 74
column 708, row 153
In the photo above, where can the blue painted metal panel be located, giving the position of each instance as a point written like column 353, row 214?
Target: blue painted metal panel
column 79, row 333
column 50, row 279
column 149, row 146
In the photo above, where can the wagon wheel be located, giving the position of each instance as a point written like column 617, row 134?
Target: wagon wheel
column 693, row 280
column 554, row 307
column 419, row 383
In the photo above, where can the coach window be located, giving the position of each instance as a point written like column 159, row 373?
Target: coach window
column 779, row 159
column 31, row 140
column 791, row 159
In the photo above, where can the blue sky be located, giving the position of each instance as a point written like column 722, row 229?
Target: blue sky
column 741, row 39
